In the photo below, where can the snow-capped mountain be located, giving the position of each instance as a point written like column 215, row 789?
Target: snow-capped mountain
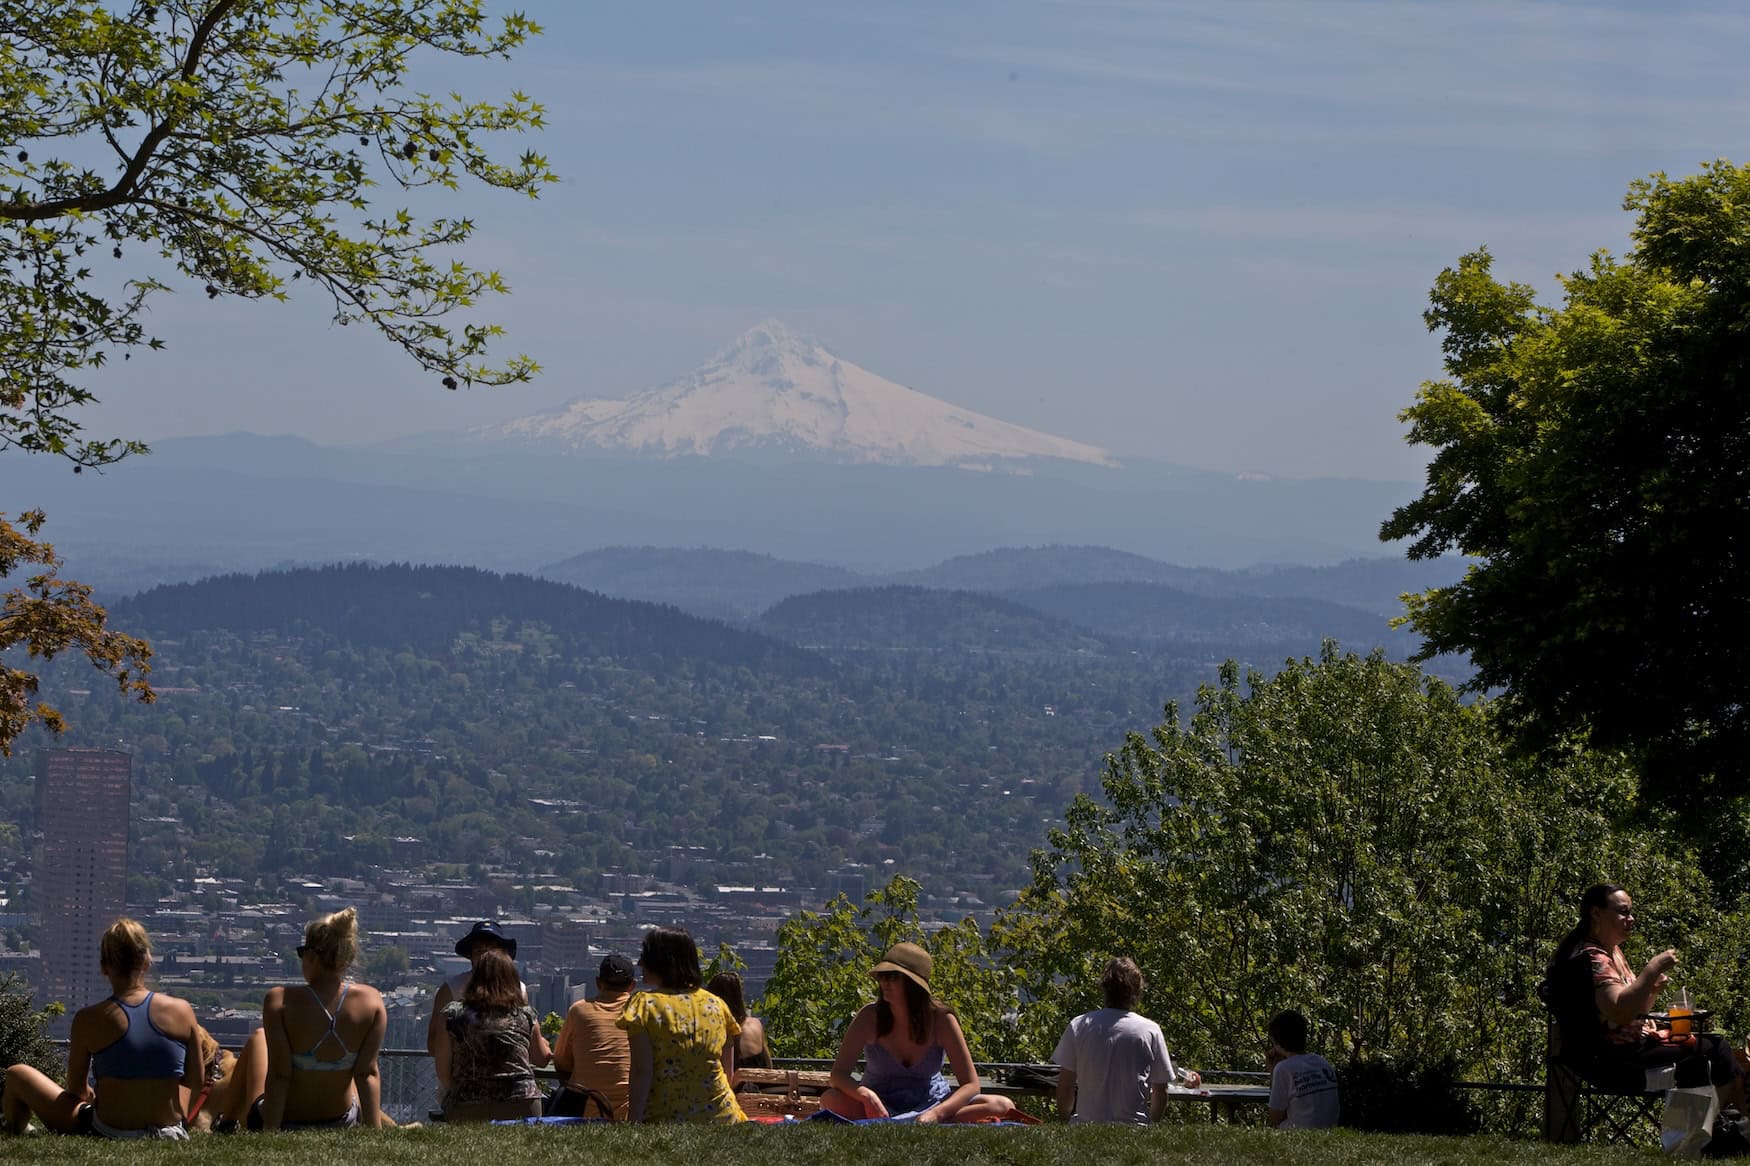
column 772, row 390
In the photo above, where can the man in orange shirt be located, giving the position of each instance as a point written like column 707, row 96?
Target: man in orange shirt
column 594, row 1052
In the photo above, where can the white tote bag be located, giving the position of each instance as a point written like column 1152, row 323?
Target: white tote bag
column 1689, row 1120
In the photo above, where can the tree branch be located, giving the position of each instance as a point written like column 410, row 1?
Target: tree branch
column 123, row 189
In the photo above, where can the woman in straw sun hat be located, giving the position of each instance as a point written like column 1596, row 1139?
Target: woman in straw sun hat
column 904, row 1037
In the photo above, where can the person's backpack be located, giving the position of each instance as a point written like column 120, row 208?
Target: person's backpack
column 574, row 1101
column 1731, row 1137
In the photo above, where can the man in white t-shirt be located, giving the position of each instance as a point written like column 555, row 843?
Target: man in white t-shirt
column 1112, row 1064
column 1303, row 1085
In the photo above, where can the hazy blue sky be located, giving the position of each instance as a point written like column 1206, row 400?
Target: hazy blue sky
column 1200, row 231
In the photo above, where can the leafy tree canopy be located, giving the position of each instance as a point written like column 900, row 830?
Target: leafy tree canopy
column 48, row 616
column 236, row 146
column 22, row 1039
column 821, row 977
column 1350, row 839
column 1595, row 458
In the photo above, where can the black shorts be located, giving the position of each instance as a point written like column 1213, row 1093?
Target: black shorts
column 1623, row 1068
column 345, row 1121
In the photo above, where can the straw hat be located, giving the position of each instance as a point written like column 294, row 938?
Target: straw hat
column 910, row 961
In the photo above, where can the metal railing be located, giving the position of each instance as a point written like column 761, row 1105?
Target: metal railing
column 409, row 1084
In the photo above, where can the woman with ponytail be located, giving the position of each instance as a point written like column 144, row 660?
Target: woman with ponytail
column 142, row 1047
column 322, row 1038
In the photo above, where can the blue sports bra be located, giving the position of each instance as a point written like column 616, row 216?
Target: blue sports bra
column 142, row 1053
column 309, row 1062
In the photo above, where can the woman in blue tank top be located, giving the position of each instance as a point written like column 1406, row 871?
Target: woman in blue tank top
column 141, row 1046
column 904, row 1038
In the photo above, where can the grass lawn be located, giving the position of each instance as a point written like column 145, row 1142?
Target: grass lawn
column 815, row 1146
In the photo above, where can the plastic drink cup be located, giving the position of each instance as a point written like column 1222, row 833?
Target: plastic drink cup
column 1680, row 1015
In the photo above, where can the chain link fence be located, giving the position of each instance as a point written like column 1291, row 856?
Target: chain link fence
column 409, row 1084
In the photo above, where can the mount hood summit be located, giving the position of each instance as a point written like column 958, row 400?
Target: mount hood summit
column 774, row 392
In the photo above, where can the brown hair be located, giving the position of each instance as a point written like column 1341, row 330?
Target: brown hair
column 334, row 939
column 494, row 986
column 726, row 986
column 672, row 957
column 1121, row 983
column 918, row 1003
column 125, row 949
column 1596, row 898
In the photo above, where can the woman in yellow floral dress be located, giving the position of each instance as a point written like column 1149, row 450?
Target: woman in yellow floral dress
column 683, row 1037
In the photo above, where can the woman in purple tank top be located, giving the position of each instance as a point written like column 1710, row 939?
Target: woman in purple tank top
column 142, row 1046
column 904, row 1038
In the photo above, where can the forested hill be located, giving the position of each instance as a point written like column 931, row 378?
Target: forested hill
column 1234, row 623
column 913, row 618
column 732, row 585
column 1012, row 568
column 427, row 609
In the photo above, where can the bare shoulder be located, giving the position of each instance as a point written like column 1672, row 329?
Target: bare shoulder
column 364, row 999
column 274, row 1000
column 863, row 1024
column 94, row 1022
column 943, row 1021
column 173, row 1015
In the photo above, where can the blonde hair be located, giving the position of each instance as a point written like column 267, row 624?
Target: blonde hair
column 125, row 949
column 334, row 939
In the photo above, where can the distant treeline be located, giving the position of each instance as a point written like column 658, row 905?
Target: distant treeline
column 424, row 609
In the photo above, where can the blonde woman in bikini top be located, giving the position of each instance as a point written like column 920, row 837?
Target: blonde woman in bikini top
column 323, row 1037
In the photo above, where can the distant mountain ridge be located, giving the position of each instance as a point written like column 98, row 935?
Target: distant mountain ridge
column 899, row 618
column 773, row 391
column 737, row 584
column 742, row 583
column 1154, row 612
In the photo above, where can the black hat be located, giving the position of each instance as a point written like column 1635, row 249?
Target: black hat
column 485, row 929
column 616, row 969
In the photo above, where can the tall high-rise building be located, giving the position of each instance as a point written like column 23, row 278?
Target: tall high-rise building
column 81, row 881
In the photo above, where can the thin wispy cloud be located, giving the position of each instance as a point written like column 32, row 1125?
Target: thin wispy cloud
column 1201, row 214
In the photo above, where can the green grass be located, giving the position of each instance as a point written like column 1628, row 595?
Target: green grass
column 816, row 1146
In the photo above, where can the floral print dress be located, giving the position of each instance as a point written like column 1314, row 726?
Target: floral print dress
column 687, row 1032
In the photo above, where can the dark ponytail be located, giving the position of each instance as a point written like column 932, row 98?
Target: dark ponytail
column 1596, row 896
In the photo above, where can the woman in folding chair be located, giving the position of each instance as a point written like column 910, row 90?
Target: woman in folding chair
column 1598, row 1002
